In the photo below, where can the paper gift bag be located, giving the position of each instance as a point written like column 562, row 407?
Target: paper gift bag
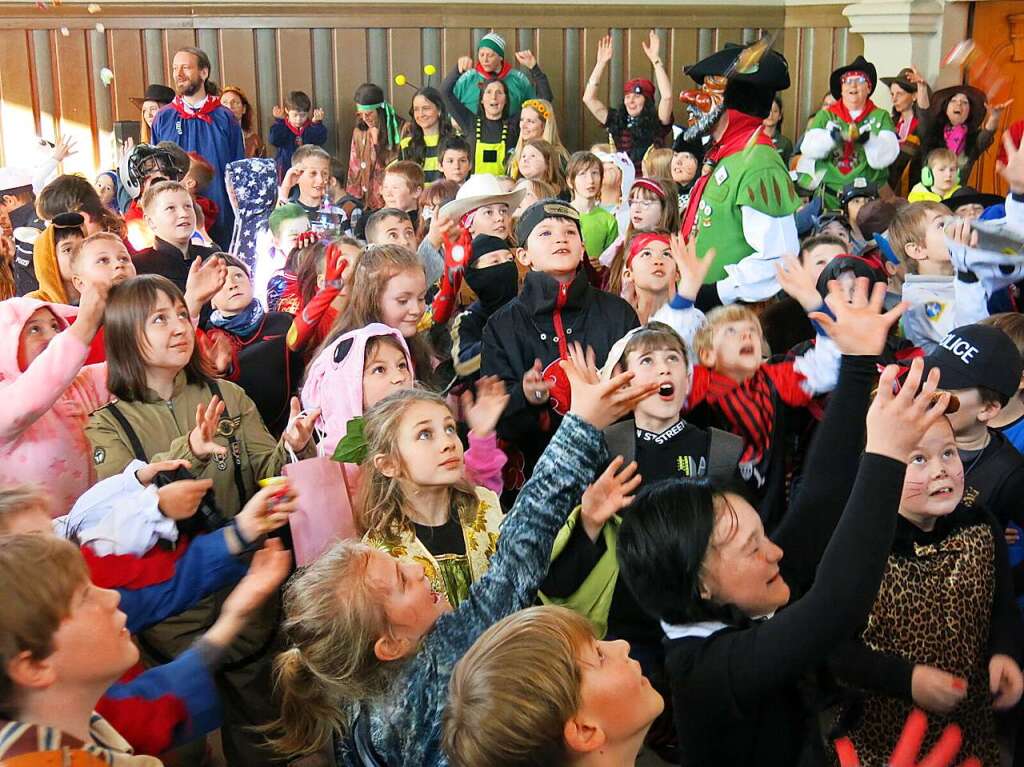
column 324, row 513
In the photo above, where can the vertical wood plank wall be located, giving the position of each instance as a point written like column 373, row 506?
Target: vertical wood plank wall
column 50, row 60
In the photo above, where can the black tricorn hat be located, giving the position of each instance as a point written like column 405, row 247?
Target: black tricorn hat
column 860, row 64
column 749, row 92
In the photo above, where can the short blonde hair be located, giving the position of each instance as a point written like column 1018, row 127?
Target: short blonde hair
column 512, row 693
column 20, row 498
column 39, row 575
column 157, row 189
column 908, row 226
column 942, row 154
column 97, row 237
column 704, row 339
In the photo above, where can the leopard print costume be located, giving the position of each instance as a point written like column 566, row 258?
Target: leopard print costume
column 934, row 607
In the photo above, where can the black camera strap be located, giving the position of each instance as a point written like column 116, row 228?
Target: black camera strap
column 133, row 438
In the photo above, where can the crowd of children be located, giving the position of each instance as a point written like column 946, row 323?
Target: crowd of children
column 467, row 448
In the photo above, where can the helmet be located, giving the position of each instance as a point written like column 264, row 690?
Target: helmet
column 145, row 161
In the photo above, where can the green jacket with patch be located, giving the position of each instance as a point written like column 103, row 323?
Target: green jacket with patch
column 754, row 178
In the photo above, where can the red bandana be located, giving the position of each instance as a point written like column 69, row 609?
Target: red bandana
column 641, row 241
column 203, row 113
column 845, row 163
column 298, row 131
column 742, row 127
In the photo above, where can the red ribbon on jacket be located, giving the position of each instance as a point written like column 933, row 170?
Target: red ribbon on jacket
column 839, row 109
column 203, row 113
column 735, row 139
column 298, row 131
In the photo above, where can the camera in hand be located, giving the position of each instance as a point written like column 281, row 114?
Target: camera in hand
column 207, row 517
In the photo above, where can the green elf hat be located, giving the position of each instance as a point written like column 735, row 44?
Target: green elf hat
column 495, row 42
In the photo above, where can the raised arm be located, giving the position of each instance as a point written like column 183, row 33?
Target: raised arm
column 463, row 116
column 590, row 99
column 652, row 49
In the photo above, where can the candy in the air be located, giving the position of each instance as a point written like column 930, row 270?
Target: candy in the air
column 400, row 80
column 94, row 8
column 100, row 28
column 106, row 76
column 65, row 31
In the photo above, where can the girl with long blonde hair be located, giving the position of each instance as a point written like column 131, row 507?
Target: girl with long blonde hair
column 537, row 120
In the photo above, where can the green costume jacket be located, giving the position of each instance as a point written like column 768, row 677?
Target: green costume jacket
column 467, row 89
column 754, row 178
column 832, row 165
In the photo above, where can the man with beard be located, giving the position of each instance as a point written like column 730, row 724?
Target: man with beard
column 742, row 207
column 197, row 122
column 850, row 139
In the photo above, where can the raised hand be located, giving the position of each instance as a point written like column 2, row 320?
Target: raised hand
column 91, row 304
column 585, row 361
column 318, row 115
column 267, row 510
column 483, row 412
column 691, row 269
column 798, row 282
column 64, row 148
column 267, row 571
column 336, row 266
column 936, row 690
column 146, row 474
column 205, row 278
column 278, row 112
column 610, row 494
column 897, row 421
column 604, row 50
column 219, row 353
column 526, row 59
column 465, row 63
column 907, row 747
column 300, row 428
column 652, row 46
column 603, row 403
column 1005, row 682
column 535, row 388
column 1013, row 169
column 859, row 327
column 291, row 178
column 179, row 500
column 200, row 439
column 960, row 231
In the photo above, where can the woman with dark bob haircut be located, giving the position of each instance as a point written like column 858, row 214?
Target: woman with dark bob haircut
column 697, row 558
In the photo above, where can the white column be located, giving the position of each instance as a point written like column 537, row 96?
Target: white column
column 899, row 33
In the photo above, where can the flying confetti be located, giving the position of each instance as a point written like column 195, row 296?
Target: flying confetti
column 100, row 28
column 65, row 31
column 106, row 76
column 94, row 8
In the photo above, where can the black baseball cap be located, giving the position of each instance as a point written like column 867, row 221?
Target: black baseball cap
column 977, row 355
column 540, row 210
column 859, row 187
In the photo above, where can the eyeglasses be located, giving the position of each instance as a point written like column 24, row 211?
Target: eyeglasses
column 855, row 80
column 643, row 204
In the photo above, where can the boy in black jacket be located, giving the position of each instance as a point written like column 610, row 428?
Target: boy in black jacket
column 524, row 341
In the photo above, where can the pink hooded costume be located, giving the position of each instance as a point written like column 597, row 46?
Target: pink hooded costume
column 44, row 409
column 334, row 383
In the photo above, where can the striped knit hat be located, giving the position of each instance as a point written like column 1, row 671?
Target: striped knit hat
column 495, row 42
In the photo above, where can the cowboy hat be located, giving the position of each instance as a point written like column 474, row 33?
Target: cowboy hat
column 860, row 64
column 941, row 99
column 480, row 189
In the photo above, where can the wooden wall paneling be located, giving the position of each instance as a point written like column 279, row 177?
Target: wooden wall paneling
column 793, row 110
column 592, row 131
column 433, row 53
column 102, row 101
column 551, row 43
column 323, row 85
column 125, row 53
column 617, row 74
column 153, row 61
column 294, row 61
column 72, row 76
column 854, row 46
column 636, row 62
column 208, row 40
column 405, row 56
column 821, row 65
column 44, row 83
column 455, row 42
column 350, row 66
column 572, row 108
column 175, row 39
column 17, row 116
column 267, row 81
column 685, row 46
column 238, row 63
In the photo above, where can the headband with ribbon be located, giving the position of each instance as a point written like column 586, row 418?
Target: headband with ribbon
column 391, row 127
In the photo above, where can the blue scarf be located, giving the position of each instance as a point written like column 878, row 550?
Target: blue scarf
column 243, row 324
